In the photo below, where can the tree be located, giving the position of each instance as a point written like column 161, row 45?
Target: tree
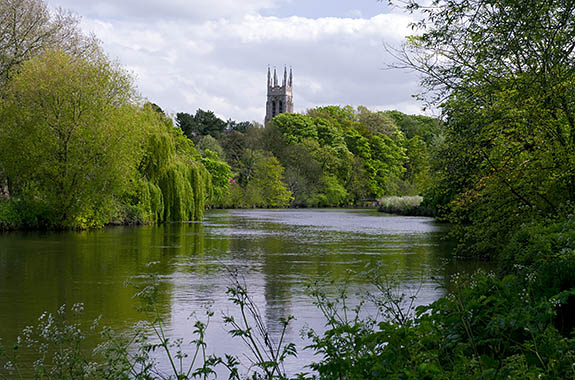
column 28, row 28
column 241, row 126
column 428, row 128
column 210, row 143
column 69, row 138
column 295, row 127
column 417, row 174
column 266, row 188
column 337, row 142
column 156, row 108
column 503, row 73
column 377, row 122
column 221, row 177
column 185, row 122
column 172, row 184
column 203, row 123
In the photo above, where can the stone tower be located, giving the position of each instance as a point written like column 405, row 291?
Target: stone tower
column 280, row 98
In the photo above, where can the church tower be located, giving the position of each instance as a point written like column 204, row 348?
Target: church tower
column 280, row 98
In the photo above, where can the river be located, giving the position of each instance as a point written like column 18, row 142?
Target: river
column 277, row 252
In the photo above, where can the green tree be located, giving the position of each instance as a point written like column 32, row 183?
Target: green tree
column 314, row 152
column 203, row 123
column 221, row 177
column 504, row 74
column 210, row 143
column 185, row 122
column 302, row 170
column 69, row 138
column 428, row 128
column 377, row 122
column 173, row 184
column 417, row 174
column 340, row 144
column 296, row 127
column 242, row 126
column 266, row 188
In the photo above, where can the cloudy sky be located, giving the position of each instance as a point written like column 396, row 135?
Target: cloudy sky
column 214, row 54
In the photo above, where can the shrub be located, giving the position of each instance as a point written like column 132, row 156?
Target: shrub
column 9, row 217
column 540, row 242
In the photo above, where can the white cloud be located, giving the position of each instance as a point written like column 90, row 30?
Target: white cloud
column 221, row 64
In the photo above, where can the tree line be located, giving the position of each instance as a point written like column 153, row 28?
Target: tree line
column 326, row 157
column 80, row 148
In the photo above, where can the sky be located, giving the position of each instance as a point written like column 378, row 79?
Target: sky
column 214, row 54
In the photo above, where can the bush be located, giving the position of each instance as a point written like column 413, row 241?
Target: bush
column 486, row 328
column 9, row 217
column 539, row 243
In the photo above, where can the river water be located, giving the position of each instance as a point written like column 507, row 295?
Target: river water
column 276, row 252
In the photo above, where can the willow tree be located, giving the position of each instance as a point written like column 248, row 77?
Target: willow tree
column 68, row 139
column 172, row 183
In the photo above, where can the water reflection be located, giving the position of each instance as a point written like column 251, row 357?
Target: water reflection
column 278, row 252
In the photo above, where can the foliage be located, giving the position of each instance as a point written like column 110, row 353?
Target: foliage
column 203, row 123
column 296, row 127
column 210, row 143
column 537, row 244
column 427, row 128
column 267, row 180
column 503, row 76
column 485, row 328
column 378, row 122
column 76, row 149
column 418, row 172
column 171, row 167
column 68, row 138
column 331, row 156
column 221, row 174
column 330, row 193
column 332, row 137
column 263, row 177
column 9, row 216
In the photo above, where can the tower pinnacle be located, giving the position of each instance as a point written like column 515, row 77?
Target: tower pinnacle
column 280, row 98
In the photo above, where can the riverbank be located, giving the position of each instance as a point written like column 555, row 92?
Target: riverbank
column 13, row 217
